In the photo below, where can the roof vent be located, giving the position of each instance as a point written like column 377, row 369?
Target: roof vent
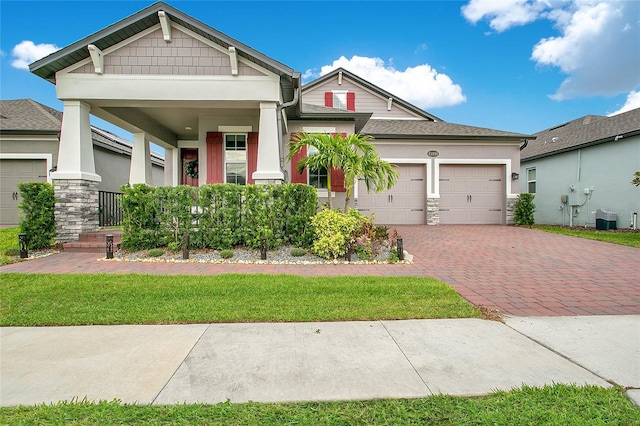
column 554, row 139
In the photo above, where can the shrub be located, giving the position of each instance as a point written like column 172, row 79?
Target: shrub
column 334, row 231
column 523, row 210
column 156, row 252
column 393, row 256
column 13, row 251
column 226, row 254
column 140, row 222
column 38, row 207
column 297, row 252
column 174, row 246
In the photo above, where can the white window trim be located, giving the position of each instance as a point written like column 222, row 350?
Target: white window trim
column 224, row 155
column 340, row 92
column 529, row 181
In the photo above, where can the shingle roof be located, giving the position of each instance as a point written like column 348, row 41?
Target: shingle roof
column 27, row 115
column 584, row 131
column 425, row 129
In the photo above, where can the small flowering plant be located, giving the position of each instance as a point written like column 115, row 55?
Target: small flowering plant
column 363, row 247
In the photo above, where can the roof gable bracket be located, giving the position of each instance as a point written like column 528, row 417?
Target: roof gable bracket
column 389, row 103
column 97, row 57
column 166, row 26
column 233, row 56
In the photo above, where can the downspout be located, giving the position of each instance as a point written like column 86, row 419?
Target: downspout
column 279, row 108
column 525, row 142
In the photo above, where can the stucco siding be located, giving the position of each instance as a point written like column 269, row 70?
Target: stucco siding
column 30, row 145
column 185, row 55
column 114, row 169
column 608, row 168
column 366, row 101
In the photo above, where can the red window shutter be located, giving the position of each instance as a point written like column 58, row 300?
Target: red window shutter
column 214, row 157
column 337, row 180
column 337, row 177
column 328, row 99
column 351, row 101
column 252, row 155
column 295, row 176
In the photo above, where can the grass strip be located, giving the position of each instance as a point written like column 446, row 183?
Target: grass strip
column 82, row 299
column 557, row 405
column 8, row 240
column 631, row 239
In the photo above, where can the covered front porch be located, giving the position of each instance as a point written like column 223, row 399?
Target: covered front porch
column 214, row 104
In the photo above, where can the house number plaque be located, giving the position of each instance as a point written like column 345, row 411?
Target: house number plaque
column 433, row 153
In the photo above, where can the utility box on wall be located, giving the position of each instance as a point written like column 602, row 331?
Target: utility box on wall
column 606, row 220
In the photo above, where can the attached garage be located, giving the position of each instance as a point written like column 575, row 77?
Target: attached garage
column 12, row 172
column 472, row 194
column 404, row 204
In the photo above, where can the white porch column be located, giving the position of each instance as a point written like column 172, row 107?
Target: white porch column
column 140, row 170
column 75, row 181
column 75, row 153
column 268, row 170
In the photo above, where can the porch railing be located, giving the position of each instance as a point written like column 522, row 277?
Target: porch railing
column 109, row 209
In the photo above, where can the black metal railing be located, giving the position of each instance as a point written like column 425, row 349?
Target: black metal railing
column 109, row 209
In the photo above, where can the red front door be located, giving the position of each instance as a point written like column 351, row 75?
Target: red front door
column 189, row 155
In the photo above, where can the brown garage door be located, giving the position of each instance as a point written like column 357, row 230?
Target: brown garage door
column 13, row 172
column 404, row 204
column 471, row 194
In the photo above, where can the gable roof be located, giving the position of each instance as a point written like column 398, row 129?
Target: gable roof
column 144, row 19
column 423, row 129
column 582, row 132
column 373, row 88
column 28, row 117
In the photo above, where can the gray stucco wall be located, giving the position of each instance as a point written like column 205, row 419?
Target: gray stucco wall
column 114, row 170
column 608, row 168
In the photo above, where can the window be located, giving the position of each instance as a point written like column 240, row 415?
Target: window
column 531, row 181
column 317, row 177
column 235, row 158
column 340, row 99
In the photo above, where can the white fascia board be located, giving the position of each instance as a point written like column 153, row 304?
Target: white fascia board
column 167, row 88
column 475, row 161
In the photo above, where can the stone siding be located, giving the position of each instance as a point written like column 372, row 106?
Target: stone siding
column 76, row 208
column 510, row 207
column 433, row 211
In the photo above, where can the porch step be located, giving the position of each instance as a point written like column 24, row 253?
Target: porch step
column 93, row 242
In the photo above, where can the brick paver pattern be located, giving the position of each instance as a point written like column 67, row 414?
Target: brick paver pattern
column 518, row 271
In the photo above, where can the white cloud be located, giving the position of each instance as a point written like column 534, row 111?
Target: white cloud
column 597, row 46
column 27, row 52
column 421, row 85
column 503, row 14
column 633, row 102
column 598, row 49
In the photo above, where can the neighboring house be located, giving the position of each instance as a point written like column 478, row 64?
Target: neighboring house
column 585, row 165
column 29, row 134
column 171, row 79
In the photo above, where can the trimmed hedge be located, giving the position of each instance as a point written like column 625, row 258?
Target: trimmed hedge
column 37, row 220
column 218, row 216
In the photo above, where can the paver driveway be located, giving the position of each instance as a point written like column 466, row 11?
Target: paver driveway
column 519, row 271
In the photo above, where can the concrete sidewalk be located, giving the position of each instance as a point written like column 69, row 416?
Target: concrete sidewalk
column 169, row 364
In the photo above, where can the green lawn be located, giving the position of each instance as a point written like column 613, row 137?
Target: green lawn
column 549, row 405
column 631, row 239
column 8, row 240
column 77, row 299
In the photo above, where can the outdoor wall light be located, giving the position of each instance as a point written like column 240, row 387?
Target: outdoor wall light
column 515, row 176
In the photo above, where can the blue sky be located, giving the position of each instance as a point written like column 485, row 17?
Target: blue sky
column 515, row 65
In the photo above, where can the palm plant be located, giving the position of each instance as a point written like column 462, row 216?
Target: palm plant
column 354, row 154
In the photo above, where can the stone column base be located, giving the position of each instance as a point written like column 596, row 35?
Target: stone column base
column 76, row 209
column 433, row 211
column 510, row 207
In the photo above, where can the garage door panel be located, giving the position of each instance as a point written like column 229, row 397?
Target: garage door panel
column 403, row 204
column 471, row 194
column 13, row 172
